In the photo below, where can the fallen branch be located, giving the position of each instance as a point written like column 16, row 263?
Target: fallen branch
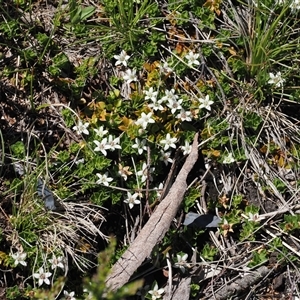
column 242, row 284
column 155, row 229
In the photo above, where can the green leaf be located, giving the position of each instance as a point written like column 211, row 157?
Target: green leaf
column 100, row 162
column 18, row 149
column 87, row 12
column 252, row 120
column 63, row 156
column 190, row 199
column 258, row 258
column 100, row 197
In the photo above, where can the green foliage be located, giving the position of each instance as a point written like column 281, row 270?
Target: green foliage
column 68, row 117
column 258, row 258
column 60, row 63
column 79, row 13
column 209, row 252
column 127, row 25
column 252, row 120
column 291, row 223
column 190, row 199
column 18, row 149
column 13, row 293
column 234, row 67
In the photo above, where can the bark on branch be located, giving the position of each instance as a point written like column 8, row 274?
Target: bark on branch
column 156, row 227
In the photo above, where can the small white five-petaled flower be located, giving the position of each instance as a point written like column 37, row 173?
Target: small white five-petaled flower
column 184, row 115
column 168, row 142
column 192, row 59
column 165, row 68
column 170, row 95
column 56, row 262
column 42, row 276
column 174, row 105
column 187, row 148
column 81, row 128
column 150, row 94
column 181, row 262
column 144, row 120
column 145, row 172
column 229, row 159
column 205, row 103
column 102, row 146
column 103, row 179
column 140, row 145
column 19, row 258
column 253, row 217
column 132, row 199
column 122, row 58
column 277, row 80
column 156, row 105
column 100, row 131
column 113, row 143
column 156, row 293
column 165, row 157
column 69, row 296
column 295, row 4
column 130, row 76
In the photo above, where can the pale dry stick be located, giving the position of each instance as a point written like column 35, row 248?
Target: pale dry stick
column 283, row 243
column 156, row 227
column 241, row 284
column 170, row 275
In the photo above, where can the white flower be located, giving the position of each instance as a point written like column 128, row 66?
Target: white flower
column 81, row 128
column 174, row 105
column 130, row 76
column 144, row 120
column 103, row 179
column 140, row 145
column 42, row 276
column 89, row 296
column 295, row 4
column 253, row 217
column 56, row 262
column 169, row 95
column 165, row 68
column 150, row 94
column 101, row 132
column 168, row 142
column 181, row 262
column 184, row 115
column 277, row 80
column 156, row 105
column 102, row 146
column 19, row 258
column 205, row 103
column 165, row 157
column 187, row 148
column 156, row 293
column 79, row 161
column 192, row 58
column 144, row 172
column 113, row 143
column 69, row 296
column 159, row 190
column 122, row 58
column 228, row 159
column 131, row 200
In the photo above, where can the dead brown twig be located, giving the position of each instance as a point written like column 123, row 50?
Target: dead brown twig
column 155, row 228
